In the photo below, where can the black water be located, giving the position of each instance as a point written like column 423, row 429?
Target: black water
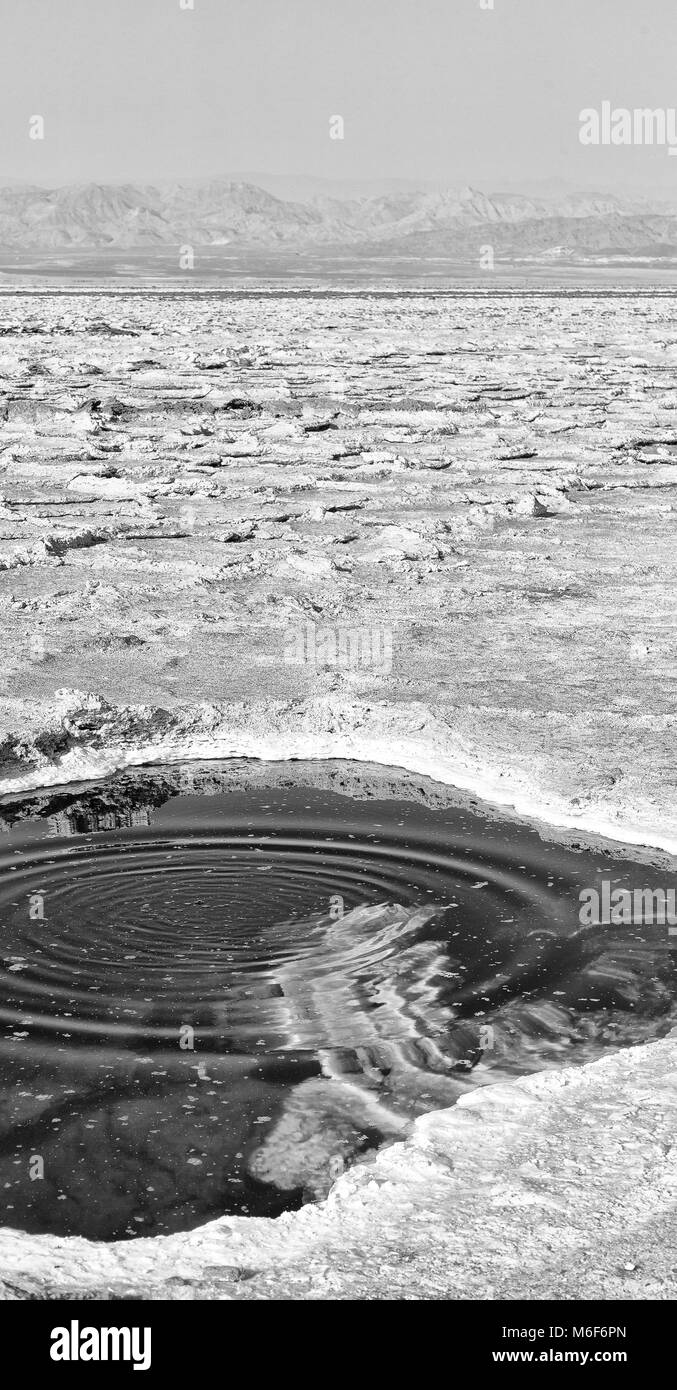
column 181, row 962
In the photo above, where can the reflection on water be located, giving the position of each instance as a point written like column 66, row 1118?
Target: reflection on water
column 212, row 1000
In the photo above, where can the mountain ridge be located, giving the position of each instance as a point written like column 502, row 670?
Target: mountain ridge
column 228, row 212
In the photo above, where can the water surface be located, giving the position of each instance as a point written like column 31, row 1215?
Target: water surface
column 215, row 993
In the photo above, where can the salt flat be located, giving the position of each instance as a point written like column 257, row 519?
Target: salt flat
column 190, row 485
column 189, row 480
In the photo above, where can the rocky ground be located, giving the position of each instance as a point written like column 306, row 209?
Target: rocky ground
column 484, row 487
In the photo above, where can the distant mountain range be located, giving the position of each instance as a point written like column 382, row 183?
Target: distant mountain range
column 404, row 220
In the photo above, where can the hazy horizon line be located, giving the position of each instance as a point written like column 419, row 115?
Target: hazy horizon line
column 537, row 187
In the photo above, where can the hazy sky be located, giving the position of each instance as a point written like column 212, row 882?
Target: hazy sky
column 428, row 89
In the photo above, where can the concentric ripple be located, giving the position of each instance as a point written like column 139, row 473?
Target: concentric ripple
column 210, row 1000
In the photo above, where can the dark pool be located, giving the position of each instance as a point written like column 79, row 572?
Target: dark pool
column 216, row 993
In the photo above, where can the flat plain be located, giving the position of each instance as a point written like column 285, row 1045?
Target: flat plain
column 193, row 482
column 189, row 480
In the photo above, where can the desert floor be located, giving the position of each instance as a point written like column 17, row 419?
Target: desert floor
column 484, row 487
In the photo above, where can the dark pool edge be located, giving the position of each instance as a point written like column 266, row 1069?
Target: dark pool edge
column 356, row 778
column 81, row 737
column 458, row 1252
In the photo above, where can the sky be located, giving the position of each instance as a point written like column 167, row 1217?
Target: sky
column 438, row 90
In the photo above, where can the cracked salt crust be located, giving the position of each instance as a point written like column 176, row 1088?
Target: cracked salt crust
column 519, row 543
